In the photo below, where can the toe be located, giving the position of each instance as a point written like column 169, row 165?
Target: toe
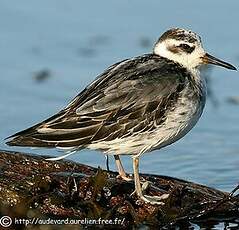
column 158, row 198
column 124, row 178
column 151, row 200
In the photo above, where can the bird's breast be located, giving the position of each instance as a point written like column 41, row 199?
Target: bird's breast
column 185, row 113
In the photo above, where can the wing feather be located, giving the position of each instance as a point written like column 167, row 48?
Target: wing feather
column 128, row 98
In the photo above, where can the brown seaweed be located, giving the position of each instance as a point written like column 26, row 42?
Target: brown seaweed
column 32, row 188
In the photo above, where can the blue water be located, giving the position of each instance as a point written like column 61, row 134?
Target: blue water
column 76, row 40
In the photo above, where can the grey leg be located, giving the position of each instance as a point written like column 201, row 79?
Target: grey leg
column 120, row 167
column 138, row 189
column 107, row 162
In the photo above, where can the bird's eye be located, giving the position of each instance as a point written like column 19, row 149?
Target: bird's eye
column 184, row 46
column 187, row 48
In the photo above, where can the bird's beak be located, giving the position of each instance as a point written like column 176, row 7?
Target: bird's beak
column 209, row 59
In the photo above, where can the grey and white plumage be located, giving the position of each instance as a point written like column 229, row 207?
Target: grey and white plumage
column 131, row 99
column 135, row 106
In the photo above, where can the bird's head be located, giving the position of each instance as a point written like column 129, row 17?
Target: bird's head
column 185, row 47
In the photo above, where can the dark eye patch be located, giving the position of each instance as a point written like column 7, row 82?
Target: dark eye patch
column 187, row 48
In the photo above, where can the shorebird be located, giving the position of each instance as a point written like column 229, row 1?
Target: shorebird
column 135, row 106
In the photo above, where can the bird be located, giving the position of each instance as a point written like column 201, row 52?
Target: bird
column 134, row 107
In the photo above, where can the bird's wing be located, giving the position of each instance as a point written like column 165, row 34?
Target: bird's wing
column 130, row 97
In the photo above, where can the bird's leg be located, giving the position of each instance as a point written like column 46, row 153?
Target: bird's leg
column 138, row 189
column 120, row 167
column 107, row 162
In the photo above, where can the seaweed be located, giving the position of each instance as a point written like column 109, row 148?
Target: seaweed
column 35, row 192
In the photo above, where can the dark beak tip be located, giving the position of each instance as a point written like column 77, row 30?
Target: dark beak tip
column 234, row 68
column 215, row 61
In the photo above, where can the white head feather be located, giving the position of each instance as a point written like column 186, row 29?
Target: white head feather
column 170, row 45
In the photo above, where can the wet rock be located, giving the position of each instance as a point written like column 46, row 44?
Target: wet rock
column 31, row 187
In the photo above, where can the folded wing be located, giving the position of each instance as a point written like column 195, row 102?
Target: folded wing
column 128, row 98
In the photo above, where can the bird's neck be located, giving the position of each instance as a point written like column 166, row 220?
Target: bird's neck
column 198, row 81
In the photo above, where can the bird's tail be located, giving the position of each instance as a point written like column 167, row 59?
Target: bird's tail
column 31, row 137
column 56, row 131
column 26, row 138
column 26, row 141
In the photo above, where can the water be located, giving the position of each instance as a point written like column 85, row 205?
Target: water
column 76, row 40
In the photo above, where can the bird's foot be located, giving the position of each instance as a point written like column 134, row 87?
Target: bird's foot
column 124, row 177
column 151, row 199
column 154, row 199
column 144, row 187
